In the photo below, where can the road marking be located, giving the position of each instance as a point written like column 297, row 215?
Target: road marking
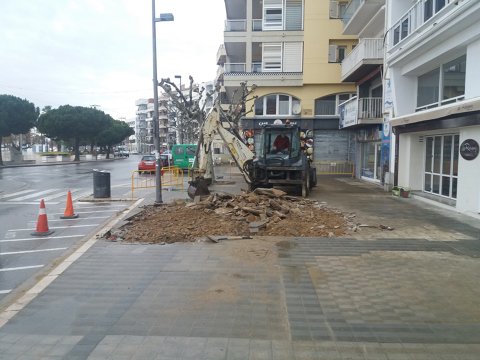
column 16, row 193
column 76, row 219
column 40, row 238
column 63, row 193
column 89, row 212
column 32, row 251
column 89, row 206
column 58, row 227
column 29, row 196
column 22, row 268
column 31, row 294
column 12, row 202
column 5, row 292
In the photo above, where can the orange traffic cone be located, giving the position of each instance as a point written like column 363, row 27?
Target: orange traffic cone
column 68, row 213
column 42, row 222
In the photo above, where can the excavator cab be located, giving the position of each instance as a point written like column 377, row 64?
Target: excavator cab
column 280, row 160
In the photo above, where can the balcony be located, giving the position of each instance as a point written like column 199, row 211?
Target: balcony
column 449, row 16
column 363, row 111
column 366, row 56
column 359, row 14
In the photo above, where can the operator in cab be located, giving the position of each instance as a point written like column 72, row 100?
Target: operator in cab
column 281, row 143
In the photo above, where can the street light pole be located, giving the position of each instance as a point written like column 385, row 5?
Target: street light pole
column 156, row 131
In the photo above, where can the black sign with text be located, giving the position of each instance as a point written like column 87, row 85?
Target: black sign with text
column 469, row 149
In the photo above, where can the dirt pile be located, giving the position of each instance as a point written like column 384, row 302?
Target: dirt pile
column 263, row 212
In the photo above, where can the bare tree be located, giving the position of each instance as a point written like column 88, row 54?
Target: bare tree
column 189, row 109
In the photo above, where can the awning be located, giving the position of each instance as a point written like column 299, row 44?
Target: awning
column 438, row 113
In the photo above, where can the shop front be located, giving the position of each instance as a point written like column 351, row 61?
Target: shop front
column 439, row 158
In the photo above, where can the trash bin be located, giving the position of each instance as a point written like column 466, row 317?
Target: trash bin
column 101, row 184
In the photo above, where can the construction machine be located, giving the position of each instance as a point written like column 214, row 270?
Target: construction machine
column 279, row 159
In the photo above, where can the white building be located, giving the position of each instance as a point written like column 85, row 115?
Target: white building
column 432, row 56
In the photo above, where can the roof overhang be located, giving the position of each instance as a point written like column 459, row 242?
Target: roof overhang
column 438, row 113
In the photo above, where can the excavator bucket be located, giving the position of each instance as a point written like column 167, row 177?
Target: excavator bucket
column 198, row 187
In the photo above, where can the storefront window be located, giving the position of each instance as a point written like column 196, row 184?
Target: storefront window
column 441, row 165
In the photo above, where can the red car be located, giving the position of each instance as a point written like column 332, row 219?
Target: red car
column 147, row 163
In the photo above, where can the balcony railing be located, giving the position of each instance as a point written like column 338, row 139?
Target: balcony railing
column 350, row 10
column 366, row 49
column 421, row 12
column 354, row 110
column 370, row 108
column 236, row 25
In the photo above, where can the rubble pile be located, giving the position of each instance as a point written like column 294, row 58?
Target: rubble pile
column 264, row 212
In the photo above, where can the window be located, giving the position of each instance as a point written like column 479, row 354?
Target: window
column 282, row 15
column 441, row 165
column 428, row 88
column 336, row 53
column 442, row 85
column 272, row 57
column 328, row 105
column 337, row 9
column 276, row 104
column 282, row 57
column 454, row 79
column 272, row 15
column 431, row 7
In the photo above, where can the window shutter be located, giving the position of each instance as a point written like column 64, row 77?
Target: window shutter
column 293, row 57
column 294, row 15
column 272, row 15
column 272, row 57
column 333, row 9
column 332, row 53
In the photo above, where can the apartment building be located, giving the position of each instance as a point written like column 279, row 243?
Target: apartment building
column 433, row 47
column 292, row 51
column 363, row 113
column 144, row 127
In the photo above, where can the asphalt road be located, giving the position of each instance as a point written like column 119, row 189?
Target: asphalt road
column 21, row 189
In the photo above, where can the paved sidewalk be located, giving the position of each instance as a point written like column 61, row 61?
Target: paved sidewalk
column 410, row 293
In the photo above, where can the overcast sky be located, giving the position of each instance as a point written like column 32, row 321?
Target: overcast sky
column 99, row 52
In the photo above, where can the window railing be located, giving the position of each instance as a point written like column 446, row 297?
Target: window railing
column 236, row 25
column 235, row 67
column 421, row 12
column 257, row 24
column 257, row 67
column 443, row 102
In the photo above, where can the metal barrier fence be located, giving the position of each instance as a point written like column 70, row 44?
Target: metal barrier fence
column 172, row 178
column 335, row 168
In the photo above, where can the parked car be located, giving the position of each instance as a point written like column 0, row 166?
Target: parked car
column 147, row 163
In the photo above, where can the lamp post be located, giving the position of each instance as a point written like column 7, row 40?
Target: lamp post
column 156, row 132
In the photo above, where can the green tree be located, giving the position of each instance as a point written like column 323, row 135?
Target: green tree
column 73, row 123
column 17, row 116
column 114, row 134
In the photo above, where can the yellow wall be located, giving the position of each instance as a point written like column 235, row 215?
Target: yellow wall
column 319, row 31
column 320, row 78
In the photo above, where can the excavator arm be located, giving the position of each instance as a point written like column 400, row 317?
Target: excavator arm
column 203, row 165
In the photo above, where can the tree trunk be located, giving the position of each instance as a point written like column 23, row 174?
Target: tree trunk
column 76, row 149
column 1, row 159
column 109, row 149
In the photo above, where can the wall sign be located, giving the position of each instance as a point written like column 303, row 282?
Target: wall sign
column 469, row 149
